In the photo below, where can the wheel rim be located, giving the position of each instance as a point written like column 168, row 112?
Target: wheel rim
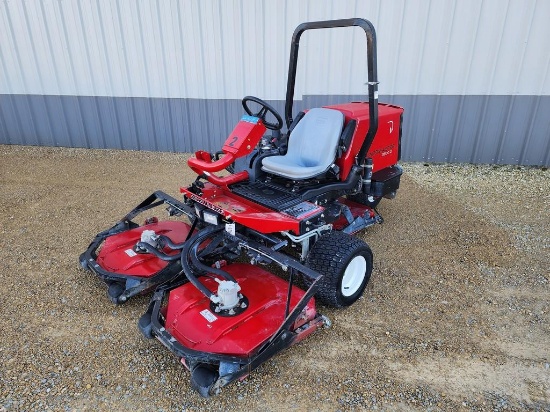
column 354, row 276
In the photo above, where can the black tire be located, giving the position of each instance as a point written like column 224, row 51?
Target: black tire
column 331, row 255
column 364, row 199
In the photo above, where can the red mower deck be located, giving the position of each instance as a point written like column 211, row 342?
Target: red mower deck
column 118, row 253
column 191, row 320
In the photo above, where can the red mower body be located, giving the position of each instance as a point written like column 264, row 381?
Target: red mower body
column 224, row 202
column 221, row 317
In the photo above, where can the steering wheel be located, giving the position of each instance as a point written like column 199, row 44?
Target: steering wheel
column 266, row 108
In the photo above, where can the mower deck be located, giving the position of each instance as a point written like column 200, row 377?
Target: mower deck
column 193, row 322
column 113, row 256
column 220, row 346
column 118, row 252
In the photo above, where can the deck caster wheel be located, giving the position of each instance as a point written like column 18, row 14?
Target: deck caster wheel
column 115, row 290
column 83, row 262
column 346, row 265
column 145, row 325
column 203, row 378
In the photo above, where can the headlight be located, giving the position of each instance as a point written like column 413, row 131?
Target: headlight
column 211, row 217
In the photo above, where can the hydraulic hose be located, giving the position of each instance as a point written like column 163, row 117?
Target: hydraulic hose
column 171, row 244
column 190, row 251
column 201, row 266
column 160, row 255
column 168, row 242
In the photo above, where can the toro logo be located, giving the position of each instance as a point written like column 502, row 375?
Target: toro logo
column 207, row 204
column 384, row 151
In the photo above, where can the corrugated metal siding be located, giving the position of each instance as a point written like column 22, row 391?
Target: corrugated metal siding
column 226, row 49
column 168, row 75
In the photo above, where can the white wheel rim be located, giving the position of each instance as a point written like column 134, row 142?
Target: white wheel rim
column 354, row 275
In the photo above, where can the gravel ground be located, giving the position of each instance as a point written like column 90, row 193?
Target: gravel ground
column 456, row 316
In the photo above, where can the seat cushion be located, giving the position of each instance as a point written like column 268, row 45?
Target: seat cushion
column 312, row 146
column 283, row 166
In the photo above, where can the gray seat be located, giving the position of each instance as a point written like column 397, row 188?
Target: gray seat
column 311, row 147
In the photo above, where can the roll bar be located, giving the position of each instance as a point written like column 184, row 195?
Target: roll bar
column 372, row 73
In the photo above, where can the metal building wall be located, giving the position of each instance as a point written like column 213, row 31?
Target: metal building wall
column 169, row 75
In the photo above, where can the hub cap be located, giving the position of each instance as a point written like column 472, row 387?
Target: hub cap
column 354, row 275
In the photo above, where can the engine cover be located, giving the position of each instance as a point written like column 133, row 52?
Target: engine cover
column 190, row 320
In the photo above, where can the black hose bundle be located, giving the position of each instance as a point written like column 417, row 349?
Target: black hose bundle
column 165, row 240
column 154, row 251
column 190, row 250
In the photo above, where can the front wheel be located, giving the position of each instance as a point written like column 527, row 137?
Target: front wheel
column 346, row 265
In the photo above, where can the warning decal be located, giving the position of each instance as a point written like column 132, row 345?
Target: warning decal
column 209, row 316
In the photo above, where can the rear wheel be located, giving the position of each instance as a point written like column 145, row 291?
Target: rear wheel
column 346, row 265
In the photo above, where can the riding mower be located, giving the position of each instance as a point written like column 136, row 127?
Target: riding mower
column 290, row 201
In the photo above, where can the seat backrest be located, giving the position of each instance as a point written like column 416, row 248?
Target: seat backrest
column 315, row 138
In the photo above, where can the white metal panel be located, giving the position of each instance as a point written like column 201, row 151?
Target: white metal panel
column 488, row 48
column 11, row 79
column 533, row 77
column 411, row 47
column 515, row 32
column 437, row 26
column 134, row 76
column 392, row 15
column 15, row 49
column 466, row 19
column 213, row 49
